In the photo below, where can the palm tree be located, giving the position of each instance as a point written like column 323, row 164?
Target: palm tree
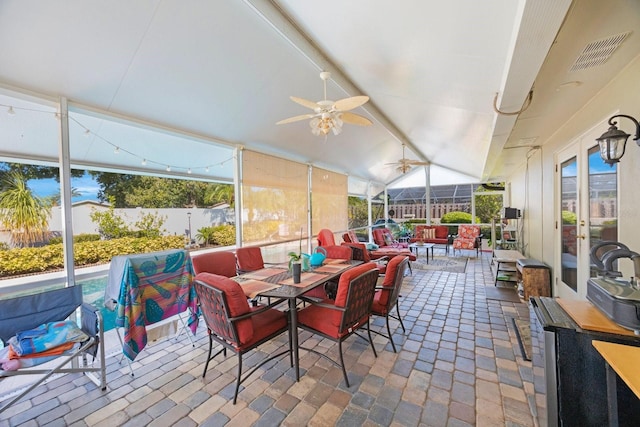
column 21, row 211
column 220, row 193
column 56, row 199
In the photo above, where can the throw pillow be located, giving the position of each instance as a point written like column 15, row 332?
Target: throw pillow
column 429, row 234
column 387, row 240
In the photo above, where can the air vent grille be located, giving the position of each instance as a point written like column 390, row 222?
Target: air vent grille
column 597, row 52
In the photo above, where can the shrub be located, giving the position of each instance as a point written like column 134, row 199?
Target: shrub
column 456, row 217
column 224, row 235
column 205, row 235
column 150, row 225
column 110, row 225
column 220, row 235
column 46, row 258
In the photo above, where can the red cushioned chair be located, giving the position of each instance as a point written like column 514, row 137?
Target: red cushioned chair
column 236, row 326
column 386, row 296
column 351, row 310
column 468, row 237
column 329, row 289
column 360, row 253
column 222, row 263
column 383, row 237
column 380, row 255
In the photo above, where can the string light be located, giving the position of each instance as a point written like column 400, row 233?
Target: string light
column 11, row 110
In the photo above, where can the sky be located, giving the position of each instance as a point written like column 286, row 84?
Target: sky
column 85, row 185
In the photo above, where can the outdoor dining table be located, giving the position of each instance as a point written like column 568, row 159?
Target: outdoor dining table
column 277, row 282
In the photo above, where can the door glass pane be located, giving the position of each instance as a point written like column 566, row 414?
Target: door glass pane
column 603, row 200
column 568, row 188
column 488, row 208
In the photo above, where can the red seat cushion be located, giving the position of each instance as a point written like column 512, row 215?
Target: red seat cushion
column 321, row 319
column 392, row 252
column 236, row 301
column 264, row 324
column 377, row 307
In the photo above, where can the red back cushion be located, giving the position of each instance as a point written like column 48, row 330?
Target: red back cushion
column 442, row 231
column 249, row 258
column 222, row 263
column 236, row 301
column 325, row 238
column 346, row 277
column 389, row 279
column 338, row 252
column 362, row 250
column 378, row 237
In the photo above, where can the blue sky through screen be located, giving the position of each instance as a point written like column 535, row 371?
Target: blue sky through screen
column 86, row 185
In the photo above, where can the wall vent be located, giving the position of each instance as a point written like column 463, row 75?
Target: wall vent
column 597, row 52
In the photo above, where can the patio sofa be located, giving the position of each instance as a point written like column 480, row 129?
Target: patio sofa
column 439, row 235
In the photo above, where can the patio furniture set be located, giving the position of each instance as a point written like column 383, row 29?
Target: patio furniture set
column 228, row 291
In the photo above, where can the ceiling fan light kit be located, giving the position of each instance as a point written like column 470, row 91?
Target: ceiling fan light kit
column 329, row 116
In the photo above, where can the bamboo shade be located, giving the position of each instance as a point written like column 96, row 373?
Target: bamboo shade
column 329, row 203
column 274, row 198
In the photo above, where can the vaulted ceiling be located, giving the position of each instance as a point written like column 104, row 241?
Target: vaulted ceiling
column 221, row 72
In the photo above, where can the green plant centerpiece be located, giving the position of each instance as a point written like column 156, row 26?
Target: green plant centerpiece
column 293, row 258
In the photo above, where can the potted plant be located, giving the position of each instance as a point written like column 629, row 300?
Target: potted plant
column 294, row 258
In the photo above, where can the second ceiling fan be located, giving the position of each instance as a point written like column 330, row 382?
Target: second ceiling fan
column 404, row 165
column 328, row 116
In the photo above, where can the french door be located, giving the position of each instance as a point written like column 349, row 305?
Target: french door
column 587, row 212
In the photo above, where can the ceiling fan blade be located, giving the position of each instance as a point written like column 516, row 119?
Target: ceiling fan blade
column 305, row 102
column 416, row 163
column 295, row 119
column 350, row 103
column 355, row 119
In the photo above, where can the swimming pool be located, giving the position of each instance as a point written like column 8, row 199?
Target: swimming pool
column 93, row 293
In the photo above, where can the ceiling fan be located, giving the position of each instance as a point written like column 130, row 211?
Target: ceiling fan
column 404, row 165
column 329, row 115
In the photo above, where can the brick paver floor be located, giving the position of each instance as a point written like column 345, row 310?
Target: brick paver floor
column 458, row 364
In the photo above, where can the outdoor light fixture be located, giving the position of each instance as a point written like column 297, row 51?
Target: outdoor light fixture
column 612, row 142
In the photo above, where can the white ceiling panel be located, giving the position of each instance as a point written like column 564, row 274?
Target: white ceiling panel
column 221, row 72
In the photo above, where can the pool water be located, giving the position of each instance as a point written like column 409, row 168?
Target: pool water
column 93, row 293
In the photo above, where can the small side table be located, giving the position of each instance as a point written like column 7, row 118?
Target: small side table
column 425, row 246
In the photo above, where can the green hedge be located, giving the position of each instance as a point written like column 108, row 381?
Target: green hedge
column 456, row 217
column 37, row 260
column 76, row 239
